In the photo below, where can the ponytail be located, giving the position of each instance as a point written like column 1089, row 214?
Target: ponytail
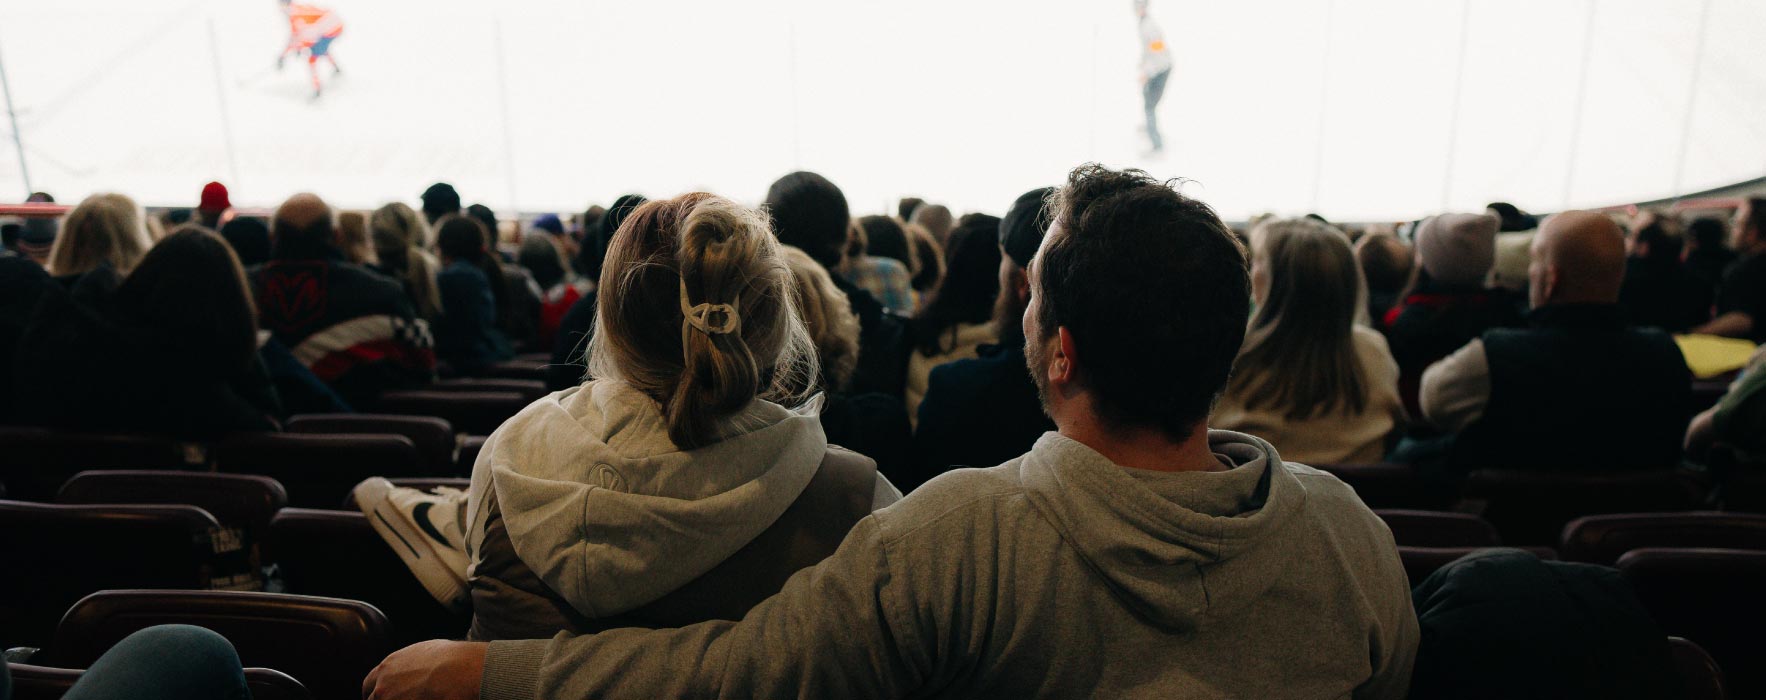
column 399, row 235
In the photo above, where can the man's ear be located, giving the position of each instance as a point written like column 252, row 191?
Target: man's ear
column 1063, row 365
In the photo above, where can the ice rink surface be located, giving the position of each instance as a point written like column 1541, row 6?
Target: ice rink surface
column 1357, row 109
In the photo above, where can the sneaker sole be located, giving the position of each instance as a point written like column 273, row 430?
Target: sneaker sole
column 411, row 546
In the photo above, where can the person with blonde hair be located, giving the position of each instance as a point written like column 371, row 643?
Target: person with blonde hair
column 1309, row 379
column 104, row 229
column 686, row 481
column 401, row 242
column 353, row 240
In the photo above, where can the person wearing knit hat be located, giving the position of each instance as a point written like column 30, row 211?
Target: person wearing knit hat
column 215, row 207
column 1448, row 303
column 984, row 410
column 548, row 223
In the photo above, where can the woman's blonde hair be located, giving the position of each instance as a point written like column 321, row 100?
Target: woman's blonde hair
column 352, row 238
column 1299, row 354
column 698, row 311
column 105, row 229
column 828, row 317
column 400, row 237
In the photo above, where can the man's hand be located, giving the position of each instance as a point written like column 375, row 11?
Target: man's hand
column 434, row 670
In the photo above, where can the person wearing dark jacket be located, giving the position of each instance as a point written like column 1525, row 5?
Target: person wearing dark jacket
column 1448, row 305
column 466, row 335
column 568, row 366
column 1659, row 291
column 984, row 410
column 184, row 321
column 351, row 326
column 1579, row 389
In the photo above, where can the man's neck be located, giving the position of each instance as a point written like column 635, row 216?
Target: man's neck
column 1141, row 447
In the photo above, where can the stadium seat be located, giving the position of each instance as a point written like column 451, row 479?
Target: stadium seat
column 327, row 644
column 1712, row 597
column 519, row 368
column 54, row 554
column 530, row 390
column 31, row 682
column 1419, row 562
column 434, row 437
column 1425, row 528
column 1531, row 508
column 421, row 484
column 319, row 470
column 1388, row 485
column 335, row 553
column 35, row 462
column 1602, row 539
column 469, row 449
column 472, row 412
column 242, row 503
column 1700, row 677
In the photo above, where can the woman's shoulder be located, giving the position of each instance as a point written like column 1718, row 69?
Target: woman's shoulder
column 1374, row 352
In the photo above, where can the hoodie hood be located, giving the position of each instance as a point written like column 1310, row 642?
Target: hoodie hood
column 603, row 507
column 1161, row 554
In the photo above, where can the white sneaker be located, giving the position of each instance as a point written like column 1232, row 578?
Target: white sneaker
column 426, row 530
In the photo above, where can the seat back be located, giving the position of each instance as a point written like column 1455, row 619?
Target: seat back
column 242, row 503
column 327, row 644
column 337, row 554
column 1700, row 678
column 55, row 554
column 472, row 412
column 519, row 368
column 319, row 470
column 1602, row 539
column 433, row 437
column 1419, row 562
column 470, row 446
column 1427, row 528
column 1388, row 485
column 1711, row 597
column 31, row 682
column 531, row 390
column 35, row 462
column 1531, row 508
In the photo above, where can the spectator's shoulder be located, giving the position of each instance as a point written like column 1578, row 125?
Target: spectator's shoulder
column 960, row 498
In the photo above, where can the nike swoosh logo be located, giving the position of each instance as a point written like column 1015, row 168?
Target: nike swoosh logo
column 421, row 515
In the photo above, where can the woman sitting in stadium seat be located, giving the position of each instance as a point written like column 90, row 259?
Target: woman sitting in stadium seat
column 1319, row 386
column 104, row 230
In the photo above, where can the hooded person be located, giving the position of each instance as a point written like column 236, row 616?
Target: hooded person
column 1448, row 303
column 711, row 479
column 1132, row 553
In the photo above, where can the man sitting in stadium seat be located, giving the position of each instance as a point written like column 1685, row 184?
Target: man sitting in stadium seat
column 1741, row 297
column 1134, row 551
column 352, row 327
column 1579, row 389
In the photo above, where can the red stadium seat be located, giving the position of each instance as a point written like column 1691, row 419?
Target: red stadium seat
column 1419, row 562
column 35, row 462
column 434, row 437
column 1531, row 508
column 30, row 682
column 55, row 554
column 327, row 644
column 337, row 554
column 472, row 412
column 1602, row 539
column 1709, row 596
column 320, row 470
column 1424, row 528
column 1700, row 677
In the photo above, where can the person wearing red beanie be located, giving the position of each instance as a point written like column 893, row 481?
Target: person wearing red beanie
column 215, row 209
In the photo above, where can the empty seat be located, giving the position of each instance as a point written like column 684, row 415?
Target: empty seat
column 1427, row 528
column 335, row 553
column 1700, row 677
column 1602, row 539
column 55, row 554
column 242, row 503
column 319, row 470
column 421, row 483
column 31, row 682
column 327, row 644
column 35, row 462
column 434, row 437
column 1531, row 508
column 1710, row 596
column 1419, row 562
column 1388, row 485
column 530, row 389
column 473, row 412
column 469, row 449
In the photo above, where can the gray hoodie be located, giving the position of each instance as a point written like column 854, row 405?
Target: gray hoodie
column 603, row 508
column 1057, row 575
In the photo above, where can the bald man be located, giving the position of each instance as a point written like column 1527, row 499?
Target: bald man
column 350, row 326
column 1578, row 389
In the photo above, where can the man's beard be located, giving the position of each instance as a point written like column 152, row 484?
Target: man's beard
column 1037, row 362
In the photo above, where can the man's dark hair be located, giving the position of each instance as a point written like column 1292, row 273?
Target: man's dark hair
column 1155, row 290
column 809, row 212
column 440, row 200
column 905, row 208
column 1707, row 233
column 884, row 238
column 1664, row 241
column 1513, row 219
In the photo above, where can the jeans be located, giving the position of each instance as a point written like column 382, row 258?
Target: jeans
column 1151, row 93
column 160, row 663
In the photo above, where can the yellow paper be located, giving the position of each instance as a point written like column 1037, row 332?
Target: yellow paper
column 1710, row 355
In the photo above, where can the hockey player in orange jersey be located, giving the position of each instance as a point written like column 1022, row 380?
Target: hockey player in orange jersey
column 311, row 29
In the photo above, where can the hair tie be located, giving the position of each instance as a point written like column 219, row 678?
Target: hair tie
column 699, row 316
